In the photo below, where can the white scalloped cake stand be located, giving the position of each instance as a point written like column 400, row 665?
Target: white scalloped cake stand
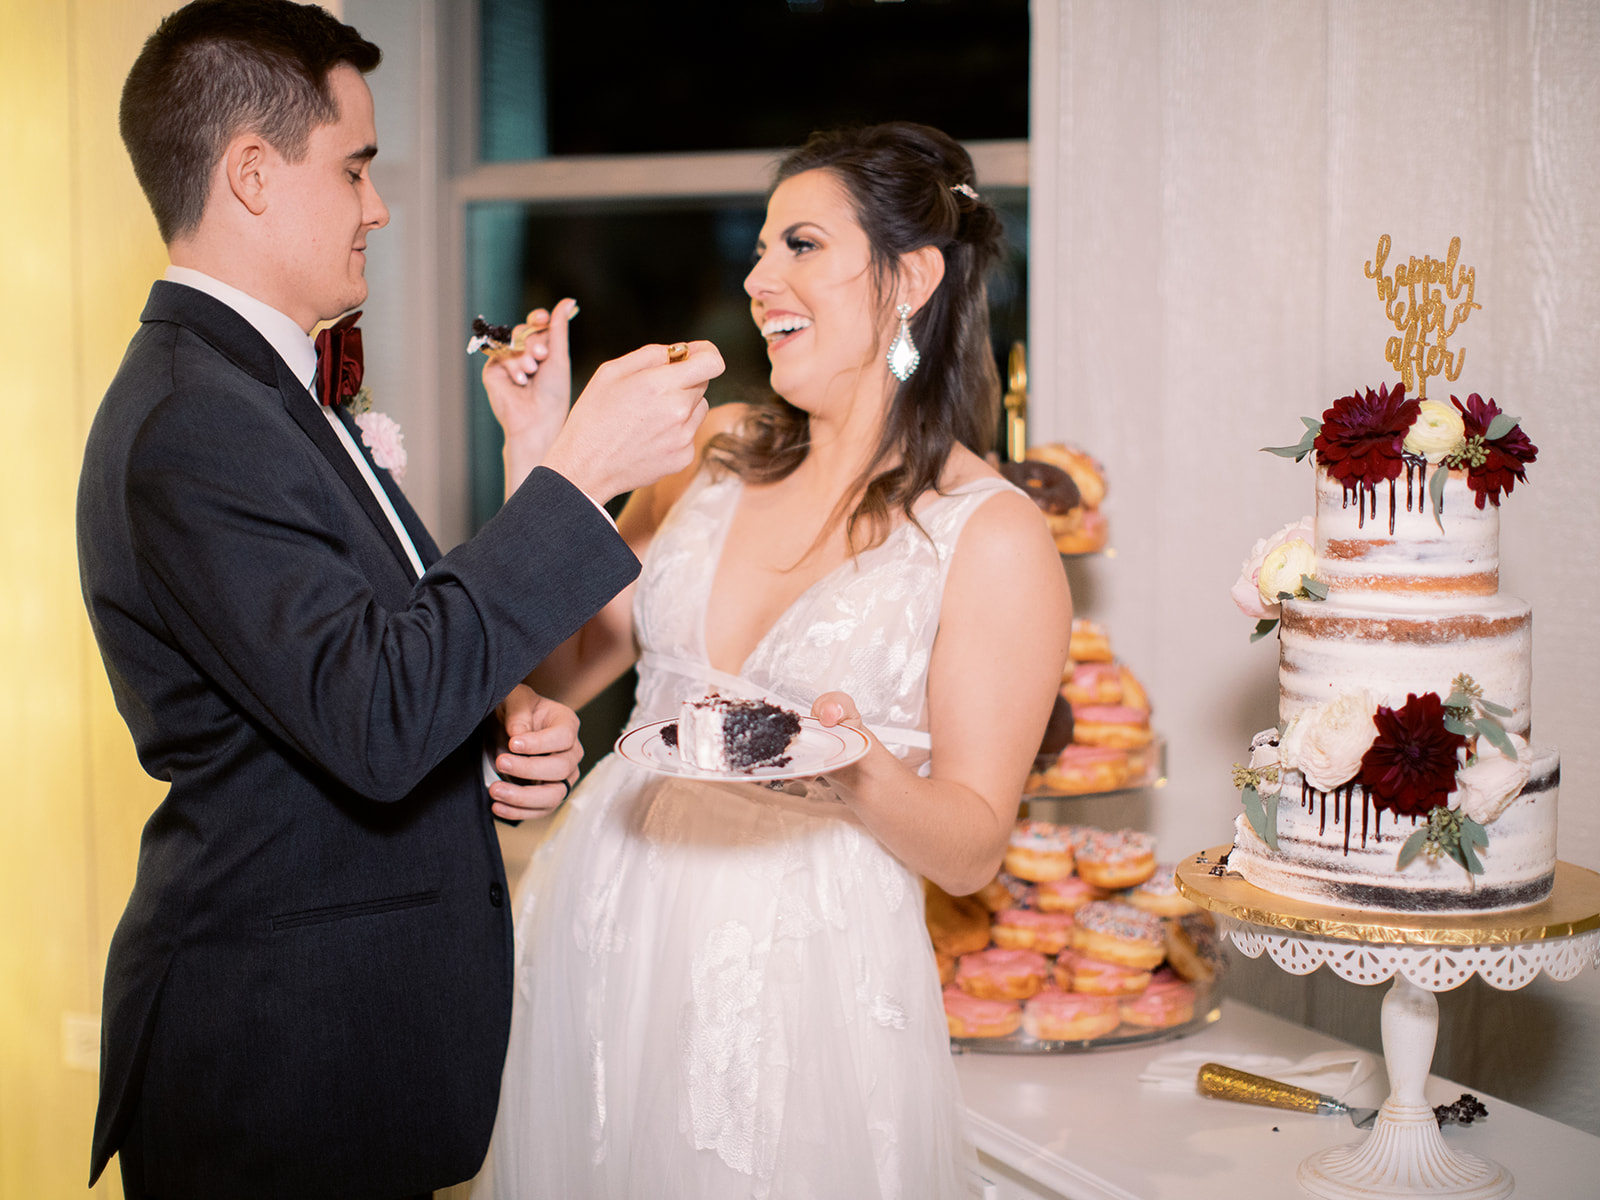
column 1405, row 1154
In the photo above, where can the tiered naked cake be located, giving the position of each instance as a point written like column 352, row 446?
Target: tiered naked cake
column 1401, row 775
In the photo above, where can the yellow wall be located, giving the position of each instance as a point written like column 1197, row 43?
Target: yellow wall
column 78, row 250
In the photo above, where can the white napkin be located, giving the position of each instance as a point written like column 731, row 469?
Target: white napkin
column 1333, row 1073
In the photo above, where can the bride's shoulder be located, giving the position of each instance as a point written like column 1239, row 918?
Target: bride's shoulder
column 1005, row 520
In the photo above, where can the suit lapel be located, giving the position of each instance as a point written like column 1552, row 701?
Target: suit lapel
column 237, row 340
column 420, row 538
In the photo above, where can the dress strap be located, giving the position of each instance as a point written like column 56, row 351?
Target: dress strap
column 736, row 685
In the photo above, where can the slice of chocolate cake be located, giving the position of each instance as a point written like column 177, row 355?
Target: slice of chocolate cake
column 725, row 735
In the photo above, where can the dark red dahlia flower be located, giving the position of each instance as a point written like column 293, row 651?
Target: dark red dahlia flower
column 1410, row 767
column 1362, row 436
column 1505, row 458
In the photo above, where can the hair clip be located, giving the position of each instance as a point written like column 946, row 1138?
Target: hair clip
column 965, row 189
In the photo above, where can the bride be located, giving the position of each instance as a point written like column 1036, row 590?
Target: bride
column 726, row 990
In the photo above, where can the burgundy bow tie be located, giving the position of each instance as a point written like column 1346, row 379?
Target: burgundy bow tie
column 339, row 361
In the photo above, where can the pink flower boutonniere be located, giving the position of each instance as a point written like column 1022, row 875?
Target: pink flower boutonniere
column 381, row 434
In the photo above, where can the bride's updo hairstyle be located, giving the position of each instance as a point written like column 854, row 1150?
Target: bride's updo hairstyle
column 903, row 180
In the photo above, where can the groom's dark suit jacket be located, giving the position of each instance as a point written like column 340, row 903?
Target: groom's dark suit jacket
column 309, row 992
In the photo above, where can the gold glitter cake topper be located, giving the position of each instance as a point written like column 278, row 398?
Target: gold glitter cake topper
column 1425, row 284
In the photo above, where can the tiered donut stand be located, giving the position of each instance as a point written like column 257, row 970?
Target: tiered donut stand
column 1405, row 1154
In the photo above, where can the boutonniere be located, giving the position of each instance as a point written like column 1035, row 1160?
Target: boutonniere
column 380, row 433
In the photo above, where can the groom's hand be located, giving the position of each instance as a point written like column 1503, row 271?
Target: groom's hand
column 636, row 421
column 538, row 756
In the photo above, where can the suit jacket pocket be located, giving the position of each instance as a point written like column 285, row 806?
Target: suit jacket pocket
column 359, row 908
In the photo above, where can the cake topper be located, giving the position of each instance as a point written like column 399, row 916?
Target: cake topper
column 1425, row 284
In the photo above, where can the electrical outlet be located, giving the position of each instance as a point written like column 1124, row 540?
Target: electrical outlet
column 80, row 1041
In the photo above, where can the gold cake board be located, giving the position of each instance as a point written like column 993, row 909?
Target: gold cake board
column 1572, row 907
column 1405, row 1154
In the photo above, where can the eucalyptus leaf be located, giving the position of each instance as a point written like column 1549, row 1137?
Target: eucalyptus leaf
column 1255, row 812
column 1473, row 832
column 1263, row 627
column 1301, row 448
column 1496, row 733
column 1499, row 427
column 1458, row 699
column 1312, row 588
column 1312, row 424
column 1436, row 493
column 1411, row 849
column 1468, row 859
column 1499, row 710
column 1457, row 725
column 1458, row 853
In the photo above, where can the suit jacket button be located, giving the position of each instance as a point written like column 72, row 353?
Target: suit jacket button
column 497, row 894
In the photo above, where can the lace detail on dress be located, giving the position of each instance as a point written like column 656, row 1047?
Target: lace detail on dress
column 720, row 1036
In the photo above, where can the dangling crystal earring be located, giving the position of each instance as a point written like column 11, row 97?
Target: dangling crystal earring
column 903, row 353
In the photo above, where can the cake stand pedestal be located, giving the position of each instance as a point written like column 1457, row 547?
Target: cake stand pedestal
column 1405, row 1154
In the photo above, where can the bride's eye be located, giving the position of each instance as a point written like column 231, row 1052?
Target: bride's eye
column 800, row 245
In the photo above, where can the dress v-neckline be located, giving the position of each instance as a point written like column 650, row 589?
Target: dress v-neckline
column 777, row 622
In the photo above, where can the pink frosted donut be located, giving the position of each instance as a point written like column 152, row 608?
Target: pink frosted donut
column 1120, row 934
column 1057, row 1016
column 1082, row 769
column 1077, row 972
column 1120, row 726
column 969, row 1016
column 1065, row 895
column 1038, row 852
column 1114, row 861
column 1093, row 683
column 1168, row 1001
column 1024, row 929
column 1001, row 974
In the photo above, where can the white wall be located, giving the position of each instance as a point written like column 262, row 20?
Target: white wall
column 1209, row 179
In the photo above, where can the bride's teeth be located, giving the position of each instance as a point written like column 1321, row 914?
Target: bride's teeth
column 781, row 325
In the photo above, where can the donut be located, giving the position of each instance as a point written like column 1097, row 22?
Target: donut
column 957, row 925
column 968, row 1016
column 1079, row 770
column 1057, row 1016
column 995, row 895
column 1114, row 861
column 1090, row 641
column 1058, row 730
column 1133, row 693
column 1076, row 972
column 1083, row 535
column 1194, row 950
column 1093, row 683
column 1065, row 895
column 1115, row 726
column 1038, row 852
column 1085, row 471
column 1047, row 485
column 1025, row 929
column 1002, row 974
column 1168, row 1001
column 1116, row 933
column 1159, row 894
column 947, row 966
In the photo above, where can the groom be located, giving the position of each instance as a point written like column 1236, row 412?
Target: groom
column 309, row 992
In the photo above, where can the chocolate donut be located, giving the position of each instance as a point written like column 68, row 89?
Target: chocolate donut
column 1047, row 485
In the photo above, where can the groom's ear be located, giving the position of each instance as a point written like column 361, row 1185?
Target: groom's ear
column 246, row 168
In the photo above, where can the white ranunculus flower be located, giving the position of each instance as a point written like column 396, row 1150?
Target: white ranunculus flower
column 1282, row 568
column 1246, row 591
column 1485, row 789
column 1437, row 431
column 1326, row 744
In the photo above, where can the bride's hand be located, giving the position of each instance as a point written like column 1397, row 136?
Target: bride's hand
column 531, row 391
column 837, row 708
column 538, row 756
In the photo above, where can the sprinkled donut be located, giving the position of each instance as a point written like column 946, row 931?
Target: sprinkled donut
column 1120, row 934
column 1038, row 852
column 1119, row 860
column 1159, row 894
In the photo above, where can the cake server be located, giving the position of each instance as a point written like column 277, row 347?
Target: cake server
column 1226, row 1083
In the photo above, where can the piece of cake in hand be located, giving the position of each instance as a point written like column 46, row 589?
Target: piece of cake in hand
column 730, row 736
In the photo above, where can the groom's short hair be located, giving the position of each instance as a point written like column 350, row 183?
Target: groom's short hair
column 218, row 68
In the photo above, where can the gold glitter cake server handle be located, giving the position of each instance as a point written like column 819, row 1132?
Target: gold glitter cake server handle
column 1227, row 1083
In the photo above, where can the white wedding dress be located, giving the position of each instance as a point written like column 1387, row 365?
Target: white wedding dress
column 726, row 990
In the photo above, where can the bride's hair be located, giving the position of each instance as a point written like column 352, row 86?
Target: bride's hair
column 911, row 186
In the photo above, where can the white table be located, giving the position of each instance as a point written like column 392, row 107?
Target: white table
column 1082, row 1127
